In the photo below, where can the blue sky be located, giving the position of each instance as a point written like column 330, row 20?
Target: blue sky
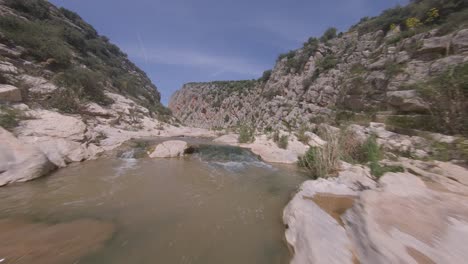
column 180, row 41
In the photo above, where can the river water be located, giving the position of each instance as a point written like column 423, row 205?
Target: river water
column 221, row 205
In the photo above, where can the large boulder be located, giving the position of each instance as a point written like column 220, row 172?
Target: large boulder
column 9, row 93
column 170, row 149
column 20, row 162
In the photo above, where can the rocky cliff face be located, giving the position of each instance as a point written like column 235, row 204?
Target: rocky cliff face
column 356, row 76
column 58, row 61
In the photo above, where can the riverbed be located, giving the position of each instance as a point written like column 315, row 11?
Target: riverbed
column 220, row 205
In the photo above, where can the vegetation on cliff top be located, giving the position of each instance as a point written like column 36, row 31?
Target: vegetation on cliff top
column 428, row 13
column 63, row 42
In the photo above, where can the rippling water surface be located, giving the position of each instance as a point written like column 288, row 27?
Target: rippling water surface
column 220, row 205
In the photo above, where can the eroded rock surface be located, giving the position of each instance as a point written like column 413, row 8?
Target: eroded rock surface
column 404, row 221
column 317, row 235
column 416, row 216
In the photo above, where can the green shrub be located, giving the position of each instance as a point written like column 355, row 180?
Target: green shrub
column 307, row 82
column 371, row 154
column 98, row 47
column 271, row 93
column 288, row 55
column 283, row 142
column 329, row 34
column 447, row 95
column 246, row 134
column 66, row 101
column 328, row 62
column 301, row 134
column 372, row 151
column 10, row 117
column 265, row 76
column 297, row 60
column 3, row 79
column 75, row 38
column 322, row 162
column 392, row 69
column 42, row 40
column 85, row 84
column 35, row 8
column 90, row 32
column 357, row 69
column 454, row 21
column 457, row 150
column 421, row 10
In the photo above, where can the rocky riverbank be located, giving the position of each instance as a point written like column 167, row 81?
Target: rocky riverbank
column 47, row 139
column 416, row 216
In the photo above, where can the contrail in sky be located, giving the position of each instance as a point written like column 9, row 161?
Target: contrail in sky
column 142, row 47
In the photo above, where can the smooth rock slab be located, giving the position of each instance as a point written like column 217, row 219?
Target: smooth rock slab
column 316, row 236
column 52, row 124
column 404, row 221
column 170, row 149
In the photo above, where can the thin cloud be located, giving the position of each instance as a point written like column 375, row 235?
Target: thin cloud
column 193, row 58
column 142, row 47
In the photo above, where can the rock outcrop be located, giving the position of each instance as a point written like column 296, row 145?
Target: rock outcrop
column 20, row 162
column 416, row 216
column 316, row 233
column 434, row 227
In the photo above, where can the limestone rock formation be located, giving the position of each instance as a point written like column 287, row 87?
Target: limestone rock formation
column 416, row 216
column 314, row 228
column 433, row 229
column 365, row 74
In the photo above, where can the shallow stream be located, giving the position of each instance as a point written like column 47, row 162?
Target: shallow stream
column 220, row 205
